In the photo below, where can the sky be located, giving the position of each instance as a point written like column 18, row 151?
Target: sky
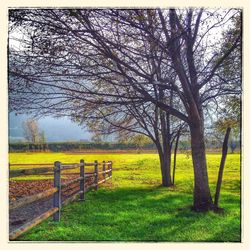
column 56, row 130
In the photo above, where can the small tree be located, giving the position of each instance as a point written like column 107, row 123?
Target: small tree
column 230, row 117
column 135, row 123
column 42, row 140
column 42, row 137
column 31, row 131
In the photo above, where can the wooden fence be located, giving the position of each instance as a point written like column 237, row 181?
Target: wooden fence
column 56, row 191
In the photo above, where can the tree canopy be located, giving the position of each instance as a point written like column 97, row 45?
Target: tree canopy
column 70, row 59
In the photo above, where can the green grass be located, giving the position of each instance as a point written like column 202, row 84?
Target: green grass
column 135, row 208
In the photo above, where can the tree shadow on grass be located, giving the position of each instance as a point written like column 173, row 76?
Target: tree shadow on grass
column 162, row 212
column 139, row 214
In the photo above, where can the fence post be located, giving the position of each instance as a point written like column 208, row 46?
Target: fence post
column 111, row 167
column 96, row 175
column 108, row 168
column 82, row 182
column 57, row 195
column 104, row 169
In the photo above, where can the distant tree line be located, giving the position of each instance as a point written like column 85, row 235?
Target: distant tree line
column 184, row 145
column 75, row 146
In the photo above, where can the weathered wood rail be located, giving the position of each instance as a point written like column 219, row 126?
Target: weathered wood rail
column 56, row 191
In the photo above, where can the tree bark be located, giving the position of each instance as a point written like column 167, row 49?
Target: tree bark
column 202, row 197
column 165, row 168
column 222, row 164
column 165, row 154
column 175, row 153
column 165, row 161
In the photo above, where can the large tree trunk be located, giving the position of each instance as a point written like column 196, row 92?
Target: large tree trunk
column 202, row 196
column 165, row 168
column 165, row 147
column 165, row 161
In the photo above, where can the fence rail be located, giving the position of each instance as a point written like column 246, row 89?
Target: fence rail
column 30, row 199
column 71, row 182
column 24, row 228
column 56, row 191
column 30, row 171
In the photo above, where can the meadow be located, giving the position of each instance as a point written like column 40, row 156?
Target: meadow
column 133, row 206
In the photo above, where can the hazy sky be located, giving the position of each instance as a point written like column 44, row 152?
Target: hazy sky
column 55, row 129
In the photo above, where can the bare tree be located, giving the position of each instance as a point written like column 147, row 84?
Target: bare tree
column 133, row 119
column 68, row 54
column 31, row 131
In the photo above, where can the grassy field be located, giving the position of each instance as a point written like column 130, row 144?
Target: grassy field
column 134, row 207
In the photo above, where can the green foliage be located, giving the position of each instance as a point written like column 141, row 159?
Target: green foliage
column 231, row 72
column 71, row 146
column 134, row 207
column 134, row 143
column 230, row 117
column 139, row 140
column 231, row 113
